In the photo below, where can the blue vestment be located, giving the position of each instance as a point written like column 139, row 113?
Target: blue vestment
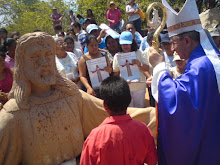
column 189, row 114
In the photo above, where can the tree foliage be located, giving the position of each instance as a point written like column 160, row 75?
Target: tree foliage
column 27, row 15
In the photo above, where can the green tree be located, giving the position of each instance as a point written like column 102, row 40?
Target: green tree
column 27, row 15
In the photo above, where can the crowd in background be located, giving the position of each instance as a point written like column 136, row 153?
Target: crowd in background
column 85, row 40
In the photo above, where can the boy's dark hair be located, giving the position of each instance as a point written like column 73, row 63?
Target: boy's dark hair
column 116, row 93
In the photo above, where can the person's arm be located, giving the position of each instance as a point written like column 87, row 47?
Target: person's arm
column 137, row 9
column 112, row 21
column 83, row 78
column 52, row 18
column 101, row 35
column 141, row 66
column 108, row 17
column 60, row 19
column 130, row 13
column 109, row 66
column 3, row 96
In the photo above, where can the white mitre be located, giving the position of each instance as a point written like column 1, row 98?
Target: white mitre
column 186, row 20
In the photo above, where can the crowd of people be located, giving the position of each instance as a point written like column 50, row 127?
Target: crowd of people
column 174, row 75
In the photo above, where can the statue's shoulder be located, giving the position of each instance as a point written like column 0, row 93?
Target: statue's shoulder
column 11, row 106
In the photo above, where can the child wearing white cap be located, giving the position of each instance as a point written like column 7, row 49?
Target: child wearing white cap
column 138, row 90
column 179, row 69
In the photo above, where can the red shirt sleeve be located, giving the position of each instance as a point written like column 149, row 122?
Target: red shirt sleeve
column 107, row 14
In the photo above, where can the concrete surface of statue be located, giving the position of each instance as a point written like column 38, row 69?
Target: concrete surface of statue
column 47, row 117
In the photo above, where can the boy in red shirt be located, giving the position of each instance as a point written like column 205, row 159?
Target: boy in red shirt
column 119, row 139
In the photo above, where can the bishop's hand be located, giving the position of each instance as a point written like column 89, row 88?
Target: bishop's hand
column 155, row 57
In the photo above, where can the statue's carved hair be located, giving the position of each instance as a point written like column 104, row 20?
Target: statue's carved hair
column 21, row 88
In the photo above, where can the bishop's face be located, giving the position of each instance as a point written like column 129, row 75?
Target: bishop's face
column 39, row 61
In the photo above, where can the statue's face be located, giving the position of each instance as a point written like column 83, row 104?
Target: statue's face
column 39, row 61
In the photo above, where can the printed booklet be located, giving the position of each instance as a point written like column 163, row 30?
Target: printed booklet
column 128, row 71
column 96, row 71
column 109, row 31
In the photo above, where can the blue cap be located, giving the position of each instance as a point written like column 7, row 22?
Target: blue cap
column 165, row 38
column 126, row 38
column 91, row 27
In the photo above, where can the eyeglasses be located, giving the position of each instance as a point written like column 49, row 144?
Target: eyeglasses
column 130, row 28
column 60, row 44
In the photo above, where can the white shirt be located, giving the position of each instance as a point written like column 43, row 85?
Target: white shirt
column 68, row 66
column 130, row 9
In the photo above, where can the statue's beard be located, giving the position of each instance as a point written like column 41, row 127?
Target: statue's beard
column 43, row 77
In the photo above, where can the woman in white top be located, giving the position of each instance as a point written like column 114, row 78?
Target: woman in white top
column 138, row 89
column 70, row 47
column 66, row 62
column 133, row 15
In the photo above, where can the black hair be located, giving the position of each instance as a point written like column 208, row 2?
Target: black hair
column 58, row 27
column 2, row 54
column 3, row 49
column 68, row 38
column 109, row 37
column 134, row 46
column 90, row 11
column 62, row 33
column 150, row 36
column 130, row 22
column 90, row 38
column 9, row 41
column 71, row 30
column 4, row 30
column 106, row 40
column 37, row 30
column 91, row 21
column 115, row 91
column 77, row 24
column 79, row 16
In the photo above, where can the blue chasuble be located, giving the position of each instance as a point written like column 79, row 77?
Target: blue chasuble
column 189, row 115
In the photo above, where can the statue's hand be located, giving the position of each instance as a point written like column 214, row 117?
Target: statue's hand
column 91, row 91
column 70, row 162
